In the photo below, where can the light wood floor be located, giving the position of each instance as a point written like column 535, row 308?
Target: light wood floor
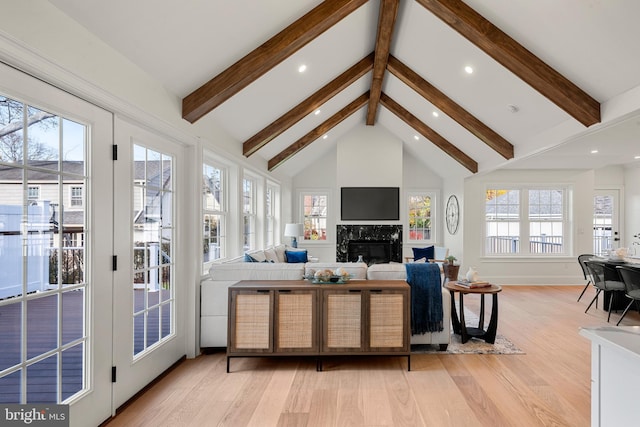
column 548, row 386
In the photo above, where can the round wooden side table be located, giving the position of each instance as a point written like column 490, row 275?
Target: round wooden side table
column 459, row 325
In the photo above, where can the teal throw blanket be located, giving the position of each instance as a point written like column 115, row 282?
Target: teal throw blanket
column 426, row 297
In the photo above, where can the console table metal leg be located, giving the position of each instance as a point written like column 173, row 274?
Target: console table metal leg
column 228, row 358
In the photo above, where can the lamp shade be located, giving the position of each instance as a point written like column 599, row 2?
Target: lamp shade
column 293, row 230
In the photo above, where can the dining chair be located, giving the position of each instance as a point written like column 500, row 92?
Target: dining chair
column 582, row 259
column 602, row 283
column 631, row 278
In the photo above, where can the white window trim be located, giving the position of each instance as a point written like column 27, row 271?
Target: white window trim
column 274, row 214
column 253, row 210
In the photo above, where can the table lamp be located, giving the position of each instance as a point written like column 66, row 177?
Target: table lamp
column 293, row 231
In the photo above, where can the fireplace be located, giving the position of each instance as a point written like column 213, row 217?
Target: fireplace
column 371, row 251
column 376, row 243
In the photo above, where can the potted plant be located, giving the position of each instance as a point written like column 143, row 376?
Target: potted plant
column 450, row 268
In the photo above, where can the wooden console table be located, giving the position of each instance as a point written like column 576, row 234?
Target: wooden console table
column 296, row 317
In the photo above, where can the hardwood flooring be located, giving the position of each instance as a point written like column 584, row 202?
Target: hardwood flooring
column 547, row 386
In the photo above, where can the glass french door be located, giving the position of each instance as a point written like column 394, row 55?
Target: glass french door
column 55, row 229
column 148, row 338
column 606, row 220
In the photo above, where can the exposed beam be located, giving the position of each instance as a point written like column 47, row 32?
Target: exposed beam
column 316, row 133
column 516, row 58
column 429, row 133
column 265, row 57
column 386, row 23
column 450, row 108
column 307, row 106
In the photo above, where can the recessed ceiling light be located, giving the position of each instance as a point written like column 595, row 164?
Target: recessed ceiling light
column 594, row 151
column 637, row 157
column 317, row 112
column 416, row 137
column 325, row 136
column 435, row 114
column 468, row 69
column 302, row 68
column 513, row 108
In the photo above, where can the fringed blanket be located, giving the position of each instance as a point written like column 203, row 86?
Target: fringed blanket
column 426, row 297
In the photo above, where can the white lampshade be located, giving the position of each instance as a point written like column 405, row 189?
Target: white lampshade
column 293, row 230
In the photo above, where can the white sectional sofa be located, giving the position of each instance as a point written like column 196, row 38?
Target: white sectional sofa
column 214, row 292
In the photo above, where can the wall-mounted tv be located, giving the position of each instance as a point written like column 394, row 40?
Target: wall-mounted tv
column 370, row 203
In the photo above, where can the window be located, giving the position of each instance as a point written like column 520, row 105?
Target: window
column 420, row 209
column 33, row 193
column 76, row 196
column 525, row 221
column 314, row 208
column 271, row 210
column 249, row 213
column 214, row 212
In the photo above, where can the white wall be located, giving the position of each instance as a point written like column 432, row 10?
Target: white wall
column 528, row 270
column 632, row 207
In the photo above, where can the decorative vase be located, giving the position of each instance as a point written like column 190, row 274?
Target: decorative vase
column 360, row 259
column 472, row 275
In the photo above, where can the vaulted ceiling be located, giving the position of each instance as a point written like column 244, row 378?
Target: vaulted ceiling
column 544, row 71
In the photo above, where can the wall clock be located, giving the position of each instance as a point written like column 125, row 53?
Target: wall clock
column 452, row 214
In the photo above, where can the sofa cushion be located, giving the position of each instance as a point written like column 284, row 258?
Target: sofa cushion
column 257, row 271
column 426, row 253
column 392, row 271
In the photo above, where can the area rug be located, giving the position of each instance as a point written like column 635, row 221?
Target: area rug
column 473, row 346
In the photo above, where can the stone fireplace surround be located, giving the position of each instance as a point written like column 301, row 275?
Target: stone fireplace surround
column 374, row 238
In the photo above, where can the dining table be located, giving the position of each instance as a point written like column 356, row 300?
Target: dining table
column 616, row 298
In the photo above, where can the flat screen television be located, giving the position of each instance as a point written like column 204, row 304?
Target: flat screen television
column 370, row 203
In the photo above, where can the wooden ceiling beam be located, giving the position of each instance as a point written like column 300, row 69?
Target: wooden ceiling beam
column 516, row 58
column 450, row 108
column 307, row 106
column 316, row 133
column 265, row 57
column 386, row 23
column 433, row 136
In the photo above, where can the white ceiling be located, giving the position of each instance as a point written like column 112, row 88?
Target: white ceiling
column 591, row 42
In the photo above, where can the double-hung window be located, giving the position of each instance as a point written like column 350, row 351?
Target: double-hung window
column 421, row 209
column 214, row 208
column 272, row 213
column 249, row 212
column 314, row 215
column 526, row 221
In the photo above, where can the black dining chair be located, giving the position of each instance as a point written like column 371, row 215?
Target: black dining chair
column 582, row 259
column 631, row 278
column 602, row 283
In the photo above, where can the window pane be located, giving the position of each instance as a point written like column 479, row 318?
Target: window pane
column 419, row 217
column 602, row 223
column 315, row 216
column 502, row 210
column 545, row 216
column 152, row 244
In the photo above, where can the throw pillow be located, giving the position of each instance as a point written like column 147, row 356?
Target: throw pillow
column 249, row 258
column 296, row 256
column 427, row 253
column 280, row 253
column 270, row 254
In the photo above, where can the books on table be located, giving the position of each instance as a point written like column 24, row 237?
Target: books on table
column 471, row 285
